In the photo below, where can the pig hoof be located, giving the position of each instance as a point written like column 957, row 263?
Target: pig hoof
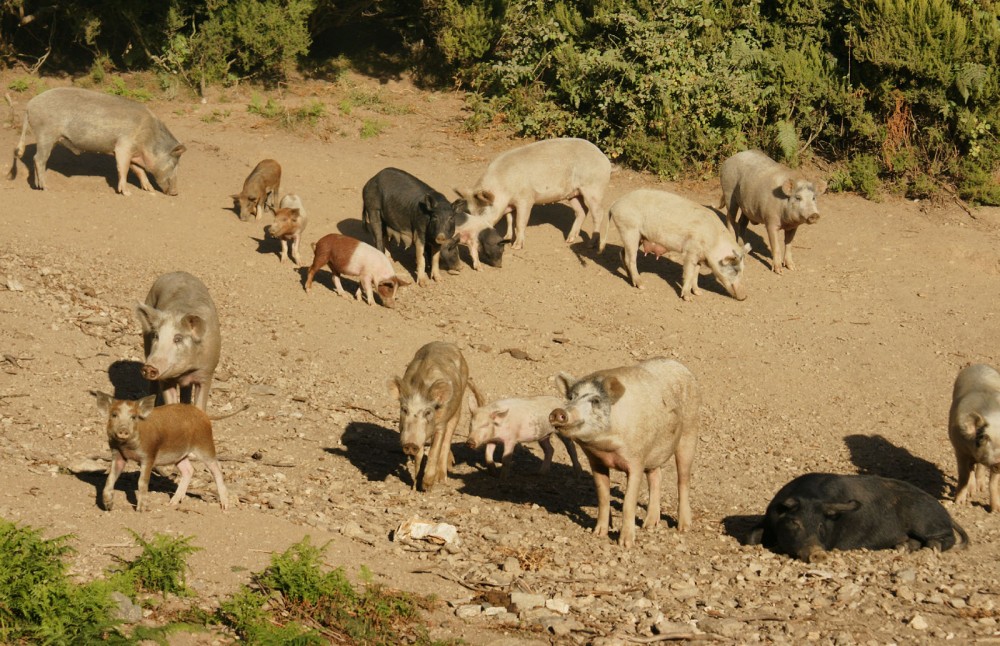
column 422, row 281
column 517, row 245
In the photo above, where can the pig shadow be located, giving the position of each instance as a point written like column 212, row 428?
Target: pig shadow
column 374, row 450
column 355, row 229
column 875, row 455
column 127, row 380
column 324, row 277
column 63, row 161
column 128, row 483
column 559, row 216
column 739, row 527
column 268, row 246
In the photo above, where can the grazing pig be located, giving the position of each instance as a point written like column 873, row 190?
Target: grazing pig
column 818, row 512
column 666, row 224
column 509, row 422
column 259, row 190
column 479, row 235
column 430, row 404
column 633, row 419
column 397, row 202
column 289, row 223
column 974, row 429
column 348, row 256
column 181, row 338
column 568, row 170
column 95, row 122
column 765, row 192
column 152, row 437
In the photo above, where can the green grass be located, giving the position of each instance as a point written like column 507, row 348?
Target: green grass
column 118, row 88
column 372, row 128
column 309, row 114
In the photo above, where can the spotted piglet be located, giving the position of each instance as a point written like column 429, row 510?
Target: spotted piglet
column 346, row 256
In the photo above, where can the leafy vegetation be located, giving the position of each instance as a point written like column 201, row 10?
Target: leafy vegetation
column 162, row 565
column 902, row 92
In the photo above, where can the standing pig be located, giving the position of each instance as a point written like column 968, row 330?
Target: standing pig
column 818, row 512
column 430, row 404
column 348, row 256
column 686, row 232
column 568, row 170
column 259, row 190
column 509, row 422
column 289, row 223
column 181, row 339
column 633, row 419
column 94, row 122
column 763, row 191
column 479, row 235
column 974, row 429
column 397, row 202
column 155, row 437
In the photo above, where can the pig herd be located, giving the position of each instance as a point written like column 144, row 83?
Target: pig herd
column 632, row 419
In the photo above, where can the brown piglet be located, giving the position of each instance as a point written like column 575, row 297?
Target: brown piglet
column 259, row 189
column 170, row 434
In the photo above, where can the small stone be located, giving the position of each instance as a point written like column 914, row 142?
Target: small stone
column 906, row 576
column 559, row 605
column 262, row 389
column 524, row 601
column 511, row 565
column 468, row 611
column 918, row 623
column 14, row 284
column 494, row 611
column 127, row 611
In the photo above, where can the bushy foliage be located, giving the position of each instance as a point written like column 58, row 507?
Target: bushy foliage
column 162, row 564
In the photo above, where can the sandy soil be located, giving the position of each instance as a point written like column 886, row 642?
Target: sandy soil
column 844, row 365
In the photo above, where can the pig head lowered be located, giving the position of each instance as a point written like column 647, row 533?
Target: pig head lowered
column 157, row 436
column 818, row 512
column 763, row 191
column 95, row 122
column 974, row 429
column 633, row 419
column 430, row 403
column 684, row 231
column 509, row 422
column 181, row 338
column 351, row 257
column 260, row 189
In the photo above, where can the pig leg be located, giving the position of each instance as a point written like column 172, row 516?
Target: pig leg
column 200, row 392
column 145, row 470
column 630, row 253
column 295, row 250
column 547, row 452
column 187, row 471
column 602, row 483
column 689, row 280
column 220, row 485
column 123, row 159
column 655, row 478
column 140, row 173
column 994, row 489
column 777, row 243
column 170, row 394
column 433, row 459
column 577, row 205
column 436, row 264
column 684, row 458
column 626, row 538
column 418, row 243
column 284, row 250
column 744, row 222
column 592, row 202
column 571, row 449
column 417, row 460
column 522, row 209
column 43, row 148
column 117, row 466
column 966, row 479
column 507, row 460
column 338, row 287
column 789, row 236
column 368, row 283
column 474, row 253
column 444, row 453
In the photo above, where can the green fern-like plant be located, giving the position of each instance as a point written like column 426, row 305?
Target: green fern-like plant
column 162, row 565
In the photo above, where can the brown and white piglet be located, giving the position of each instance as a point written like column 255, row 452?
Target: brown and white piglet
column 259, row 189
column 347, row 256
column 289, row 223
column 170, row 434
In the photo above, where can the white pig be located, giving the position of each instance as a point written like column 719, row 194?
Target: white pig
column 684, row 231
column 568, row 170
column 974, row 429
column 763, row 191
column 509, row 422
column 181, row 338
column 633, row 419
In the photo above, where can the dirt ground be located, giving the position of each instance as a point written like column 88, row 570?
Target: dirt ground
column 845, row 365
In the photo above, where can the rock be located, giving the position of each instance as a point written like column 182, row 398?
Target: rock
column 468, row 611
column 524, row 601
column 262, row 389
column 511, row 565
column 730, row 628
column 918, row 623
column 559, row 605
column 127, row 612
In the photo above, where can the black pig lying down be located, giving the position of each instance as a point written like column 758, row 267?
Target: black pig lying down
column 818, row 512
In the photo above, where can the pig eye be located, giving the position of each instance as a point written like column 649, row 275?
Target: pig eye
column 429, row 412
column 404, row 410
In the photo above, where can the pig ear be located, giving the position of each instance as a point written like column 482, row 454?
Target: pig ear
column 440, row 391
column 756, row 536
column 503, row 242
column 428, row 203
column 500, row 414
column 486, row 197
column 394, row 387
column 403, row 281
column 835, row 509
column 178, row 150
column 787, row 187
column 789, row 504
column 470, row 401
column 615, row 388
column 565, row 381
column 147, row 316
column 146, row 405
column 103, row 401
column 195, row 324
column 819, row 186
column 972, row 423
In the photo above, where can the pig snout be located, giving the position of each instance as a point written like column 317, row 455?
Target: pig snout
column 812, row 553
column 441, row 238
column 812, row 219
column 150, row 372
column 411, row 449
column 739, row 291
column 559, row 417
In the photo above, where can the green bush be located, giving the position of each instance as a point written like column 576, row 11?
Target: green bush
column 162, row 565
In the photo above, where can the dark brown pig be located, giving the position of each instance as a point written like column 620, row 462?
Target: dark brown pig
column 289, row 223
column 479, row 235
column 762, row 191
column 662, row 223
column 974, row 430
column 170, row 434
column 819, row 512
column 633, row 419
column 95, row 122
column 348, row 256
column 430, row 404
column 259, row 190
column 181, row 337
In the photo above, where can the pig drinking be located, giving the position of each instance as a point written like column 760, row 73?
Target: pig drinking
column 974, row 429
column 181, row 338
column 819, row 512
column 170, row 434
column 633, row 419
column 95, row 122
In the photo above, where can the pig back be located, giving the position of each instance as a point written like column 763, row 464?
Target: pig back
column 977, row 377
column 754, row 178
column 548, row 165
column 435, row 361
column 178, row 294
column 660, row 406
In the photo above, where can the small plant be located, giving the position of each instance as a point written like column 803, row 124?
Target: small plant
column 118, row 88
column 162, row 564
column 21, row 84
column 216, row 116
column 269, row 109
column 372, row 128
column 310, row 113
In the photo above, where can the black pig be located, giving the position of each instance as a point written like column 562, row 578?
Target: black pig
column 817, row 512
column 397, row 202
